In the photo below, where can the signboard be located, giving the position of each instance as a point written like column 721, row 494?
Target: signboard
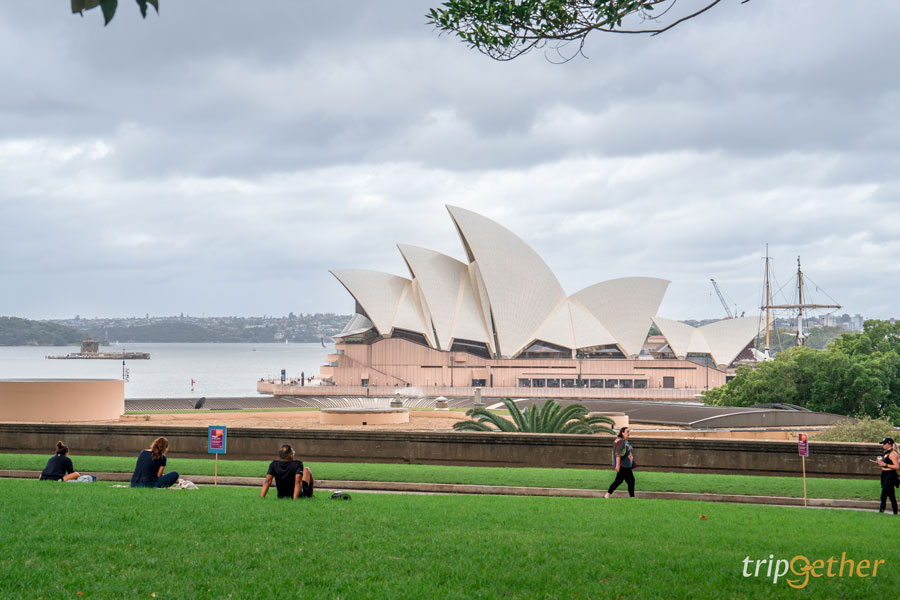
column 803, row 444
column 216, row 439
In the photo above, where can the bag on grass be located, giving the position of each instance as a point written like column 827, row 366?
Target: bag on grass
column 340, row 496
column 184, row 484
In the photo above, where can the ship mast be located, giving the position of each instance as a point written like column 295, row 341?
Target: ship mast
column 799, row 306
column 768, row 301
column 800, row 336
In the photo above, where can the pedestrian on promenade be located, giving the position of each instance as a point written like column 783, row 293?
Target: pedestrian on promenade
column 889, row 461
column 148, row 471
column 292, row 479
column 623, row 457
column 60, row 467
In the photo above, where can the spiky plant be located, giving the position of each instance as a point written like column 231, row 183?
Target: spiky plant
column 547, row 418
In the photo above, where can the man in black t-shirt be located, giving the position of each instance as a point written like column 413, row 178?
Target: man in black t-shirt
column 292, row 479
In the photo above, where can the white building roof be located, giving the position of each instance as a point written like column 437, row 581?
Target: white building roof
column 722, row 340
column 624, row 307
column 521, row 289
column 507, row 298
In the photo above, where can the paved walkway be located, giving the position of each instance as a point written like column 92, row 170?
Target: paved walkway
column 497, row 490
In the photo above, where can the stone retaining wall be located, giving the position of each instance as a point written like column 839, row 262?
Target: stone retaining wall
column 455, row 448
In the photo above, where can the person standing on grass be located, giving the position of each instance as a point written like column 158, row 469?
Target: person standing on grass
column 624, row 457
column 889, row 461
column 148, row 471
column 60, row 467
column 292, row 479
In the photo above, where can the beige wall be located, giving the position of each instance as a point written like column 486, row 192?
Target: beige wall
column 61, row 400
column 361, row 416
column 395, row 361
column 670, row 395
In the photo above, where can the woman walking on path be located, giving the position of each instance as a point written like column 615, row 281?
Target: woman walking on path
column 148, row 471
column 889, row 461
column 624, row 457
column 60, row 467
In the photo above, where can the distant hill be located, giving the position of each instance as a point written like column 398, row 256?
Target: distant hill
column 187, row 329
column 23, row 332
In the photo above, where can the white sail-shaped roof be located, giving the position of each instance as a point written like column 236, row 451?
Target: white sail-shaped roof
column 358, row 324
column 507, row 298
column 624, row 307
column 439, row 277
column 722, row 340
column 521, row 290
column 682, row 338
column 727, row 338
column 588, row 330
column 557, row 329
column 470, row 322
column 409, row 315
column 378, row 293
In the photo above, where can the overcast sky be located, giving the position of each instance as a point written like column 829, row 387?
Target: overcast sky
column 219, row 158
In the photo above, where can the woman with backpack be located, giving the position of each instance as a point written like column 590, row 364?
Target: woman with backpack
column 889, row 461
column 623, row 455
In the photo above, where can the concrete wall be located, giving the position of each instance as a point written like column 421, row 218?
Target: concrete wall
column 67, row 400
column 668, row 394
column 457, row 448
column 390, row 361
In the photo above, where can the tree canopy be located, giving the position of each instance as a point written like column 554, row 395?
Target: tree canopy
column 857, row 375
column 507, row 29
column 108, row 7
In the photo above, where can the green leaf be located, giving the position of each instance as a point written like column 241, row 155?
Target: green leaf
column 142, row 4
column 109, row 10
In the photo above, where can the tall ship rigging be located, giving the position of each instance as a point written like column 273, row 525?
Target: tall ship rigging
column 800, row 306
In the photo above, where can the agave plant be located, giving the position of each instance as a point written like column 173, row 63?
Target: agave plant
column 547, row 418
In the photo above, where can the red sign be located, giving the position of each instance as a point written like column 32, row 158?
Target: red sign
column 803, row 444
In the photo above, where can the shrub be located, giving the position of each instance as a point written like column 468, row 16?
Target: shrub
column 863, row 430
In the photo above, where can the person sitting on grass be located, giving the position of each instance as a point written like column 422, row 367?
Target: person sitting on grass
column 60, row 467
column 148, row 471
column 292, row 479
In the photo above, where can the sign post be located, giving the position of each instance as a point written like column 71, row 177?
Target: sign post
column 216, row 439
column 803, row 450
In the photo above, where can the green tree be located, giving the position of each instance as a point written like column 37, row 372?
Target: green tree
column 108, row 7
column 547, row 418
column 507, row 29
column 857, row 375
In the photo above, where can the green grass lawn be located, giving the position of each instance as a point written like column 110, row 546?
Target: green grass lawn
column 867, row 489
column 62, row 539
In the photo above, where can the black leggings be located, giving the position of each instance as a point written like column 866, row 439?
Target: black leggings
column 627, row 476
column 887, row 490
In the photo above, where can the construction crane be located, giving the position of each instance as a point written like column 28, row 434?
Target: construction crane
column 722, row 299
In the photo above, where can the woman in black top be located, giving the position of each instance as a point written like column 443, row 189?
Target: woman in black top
column 59, row 467
column 148, row 471
column 624, row 462
column 889, row 461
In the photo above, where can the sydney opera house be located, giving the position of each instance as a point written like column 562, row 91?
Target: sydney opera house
column 502, row 322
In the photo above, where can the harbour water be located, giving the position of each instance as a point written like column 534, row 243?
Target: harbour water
column 219, row 370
